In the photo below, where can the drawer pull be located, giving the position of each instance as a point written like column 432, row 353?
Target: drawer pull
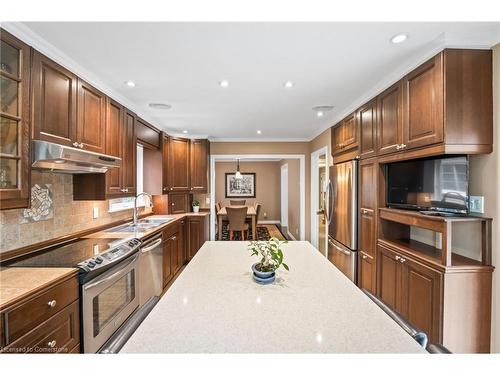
column 52, row 303
column 364, row 256
column 51, row 344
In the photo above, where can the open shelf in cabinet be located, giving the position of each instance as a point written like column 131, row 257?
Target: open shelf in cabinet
column 397, row 229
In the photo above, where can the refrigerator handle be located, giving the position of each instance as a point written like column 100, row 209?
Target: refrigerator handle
column 330, row 202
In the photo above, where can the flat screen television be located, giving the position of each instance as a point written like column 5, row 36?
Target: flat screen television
column 434, row 184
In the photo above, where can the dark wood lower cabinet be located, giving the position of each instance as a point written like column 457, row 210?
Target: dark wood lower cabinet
column 32, row 325
column 451, row 305
column 366, row 272
column 198, row 233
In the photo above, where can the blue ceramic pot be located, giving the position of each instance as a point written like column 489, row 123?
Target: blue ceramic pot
column 262, row 274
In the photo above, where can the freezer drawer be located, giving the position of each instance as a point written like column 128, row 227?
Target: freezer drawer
column 343, row 258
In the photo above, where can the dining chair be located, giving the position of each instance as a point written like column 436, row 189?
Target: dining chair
column 236, row 216
column 239, row 202
column 257, row 211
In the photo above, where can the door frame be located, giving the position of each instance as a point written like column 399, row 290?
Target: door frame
column 256, row 157
column 315, row 155
column 284, row 193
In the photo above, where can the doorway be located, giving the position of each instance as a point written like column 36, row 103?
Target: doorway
column 284, row 197
column 319, row 199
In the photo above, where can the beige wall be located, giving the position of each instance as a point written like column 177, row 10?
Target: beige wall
column 298, row 148
column 485, row 181
column 267, row 189
column 68, row 216
column 293, row 196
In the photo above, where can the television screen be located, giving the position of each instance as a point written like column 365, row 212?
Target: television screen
column 439, row 184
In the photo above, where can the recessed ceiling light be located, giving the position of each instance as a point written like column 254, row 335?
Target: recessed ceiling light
column 321, row 109
column 224, row 83
column 185, row 131
column 130, row 83
column 160, row 106
column 259, row 131
column 288, row 84
column 399, row 38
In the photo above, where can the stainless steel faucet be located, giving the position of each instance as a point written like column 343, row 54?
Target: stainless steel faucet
column 135, row 204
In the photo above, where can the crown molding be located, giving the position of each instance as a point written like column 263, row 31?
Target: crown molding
column 29, row 37
column 269, row 139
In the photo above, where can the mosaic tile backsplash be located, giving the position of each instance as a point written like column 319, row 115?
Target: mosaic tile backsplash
column 53, row 213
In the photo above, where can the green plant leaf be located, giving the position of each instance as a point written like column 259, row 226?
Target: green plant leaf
column 285, row 266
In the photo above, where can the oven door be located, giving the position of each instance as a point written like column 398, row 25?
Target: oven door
column 108, row 300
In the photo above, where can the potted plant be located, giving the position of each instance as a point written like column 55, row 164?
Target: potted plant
column 196, row 206
column 271, row 259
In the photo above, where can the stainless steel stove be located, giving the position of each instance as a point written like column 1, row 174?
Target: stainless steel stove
column 108, row 275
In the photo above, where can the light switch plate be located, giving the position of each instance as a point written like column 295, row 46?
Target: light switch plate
column 95, row 212
column 207, row 201
column 476, row 204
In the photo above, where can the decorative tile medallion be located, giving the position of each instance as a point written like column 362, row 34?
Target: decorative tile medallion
column 41, row 204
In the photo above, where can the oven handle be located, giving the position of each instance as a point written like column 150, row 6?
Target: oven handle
column 117, row 273
column 152, row 246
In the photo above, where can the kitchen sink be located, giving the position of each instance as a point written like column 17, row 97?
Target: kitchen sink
column 142, row 225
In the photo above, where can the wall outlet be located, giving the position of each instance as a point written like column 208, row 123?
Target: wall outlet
column 476, row 204
column 207, row 201
column 95, row 212
column 265, row 214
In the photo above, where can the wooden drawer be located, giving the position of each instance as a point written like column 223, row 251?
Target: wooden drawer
column 172, row 229
column 59, row 334
column 26, row 315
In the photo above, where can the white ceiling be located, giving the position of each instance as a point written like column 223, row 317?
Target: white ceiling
column 339, row 64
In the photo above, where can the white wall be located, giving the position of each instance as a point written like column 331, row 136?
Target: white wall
column 485, row 180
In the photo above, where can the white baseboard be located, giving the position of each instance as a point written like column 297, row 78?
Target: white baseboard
column 290, row 235
column 268, row 222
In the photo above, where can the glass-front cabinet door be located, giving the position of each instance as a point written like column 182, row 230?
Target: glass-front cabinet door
column 15, row 60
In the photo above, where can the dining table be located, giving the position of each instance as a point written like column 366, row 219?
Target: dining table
column 251, row 212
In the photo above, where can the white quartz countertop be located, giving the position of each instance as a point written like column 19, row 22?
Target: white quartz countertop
column 214, row 306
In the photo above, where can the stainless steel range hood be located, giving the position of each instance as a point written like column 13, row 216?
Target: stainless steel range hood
column 64, row 159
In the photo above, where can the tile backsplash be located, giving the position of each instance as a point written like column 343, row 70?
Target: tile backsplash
column 67, row 216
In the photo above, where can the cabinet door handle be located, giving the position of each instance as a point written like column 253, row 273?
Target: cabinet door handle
column 403, row 146
column 364, row 256
column 52, row 343
column 80, row 145
column 398, row 147
column 52, row 303
column 402, row 260
column 173, row 204
column 397, row 257
column 173, row 238
column 75, row 144
column 165, row 189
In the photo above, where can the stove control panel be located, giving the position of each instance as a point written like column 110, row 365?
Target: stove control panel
column 110, row 256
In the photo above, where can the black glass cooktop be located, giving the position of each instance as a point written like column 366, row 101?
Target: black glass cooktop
column 70, row 254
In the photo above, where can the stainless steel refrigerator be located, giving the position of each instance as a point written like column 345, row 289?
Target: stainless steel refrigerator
column 343, row 218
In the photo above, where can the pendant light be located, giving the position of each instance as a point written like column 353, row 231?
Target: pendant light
column 238, row 175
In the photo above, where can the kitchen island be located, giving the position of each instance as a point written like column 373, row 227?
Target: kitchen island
column 215, row 307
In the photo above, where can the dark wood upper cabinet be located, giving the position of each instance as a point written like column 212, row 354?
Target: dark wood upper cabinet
column 129, row 156
column 54, row 101
column 179, row 168
column 14, row 122
column 165, row 165
column 345, row 135
column 423, row 104
column 350, row 130
column 445, row 103
column 147, row 134
column 366, row 118
column 199, row 150
column 178, row 203
column 114, row 146
column 390, row 120
column 91, row 118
